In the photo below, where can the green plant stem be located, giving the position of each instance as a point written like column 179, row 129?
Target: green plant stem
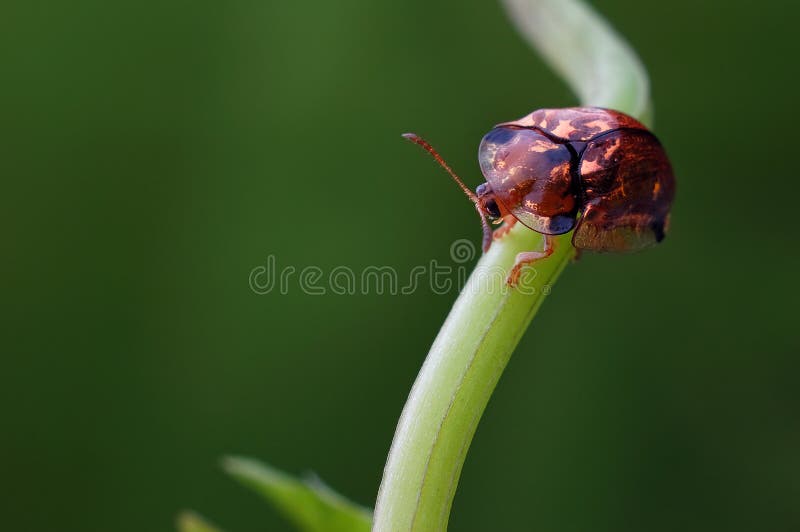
column 599, row 66
column 456, row 381
column 486, row 322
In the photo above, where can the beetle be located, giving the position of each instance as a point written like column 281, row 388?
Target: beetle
column 594, row 170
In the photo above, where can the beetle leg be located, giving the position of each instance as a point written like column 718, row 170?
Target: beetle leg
column 528, row 257
column 508, row 223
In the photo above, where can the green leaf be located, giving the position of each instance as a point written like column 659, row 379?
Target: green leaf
column 189, row 521
column 310, row 504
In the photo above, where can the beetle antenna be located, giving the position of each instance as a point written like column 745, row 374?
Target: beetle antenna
column 487, row 231
column 416, row 139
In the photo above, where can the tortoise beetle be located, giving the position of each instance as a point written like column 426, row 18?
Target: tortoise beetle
column 597, row 171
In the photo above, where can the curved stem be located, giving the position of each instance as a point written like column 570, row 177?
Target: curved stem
column 599, row 66
column 488, row 320
column 457, row 380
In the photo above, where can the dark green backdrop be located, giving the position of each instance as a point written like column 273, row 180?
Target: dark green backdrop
column 154, row 153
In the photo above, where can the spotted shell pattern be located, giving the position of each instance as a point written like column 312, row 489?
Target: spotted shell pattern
column 596, row 170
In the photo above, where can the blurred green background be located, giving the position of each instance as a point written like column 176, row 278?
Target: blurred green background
column 154, row 153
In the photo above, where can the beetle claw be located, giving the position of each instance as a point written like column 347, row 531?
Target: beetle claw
column 529, row 257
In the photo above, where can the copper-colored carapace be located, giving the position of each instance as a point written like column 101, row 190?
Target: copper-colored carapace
column 597, row 171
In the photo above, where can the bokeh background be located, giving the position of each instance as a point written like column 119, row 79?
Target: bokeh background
column 155, row 152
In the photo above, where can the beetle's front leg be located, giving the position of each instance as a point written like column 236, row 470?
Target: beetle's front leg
column 508, row 222
column 528, row 257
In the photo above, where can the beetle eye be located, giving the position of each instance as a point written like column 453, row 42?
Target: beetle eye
column 492, row 209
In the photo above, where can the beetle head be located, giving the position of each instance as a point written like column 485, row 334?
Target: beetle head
column 488, row 203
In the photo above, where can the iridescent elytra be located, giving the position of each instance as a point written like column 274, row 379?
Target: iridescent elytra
column 594, row 170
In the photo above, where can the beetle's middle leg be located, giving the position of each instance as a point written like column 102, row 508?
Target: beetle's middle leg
column 508, row 222
column 529, row 257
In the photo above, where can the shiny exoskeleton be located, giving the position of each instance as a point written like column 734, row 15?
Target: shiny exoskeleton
column 597, row 171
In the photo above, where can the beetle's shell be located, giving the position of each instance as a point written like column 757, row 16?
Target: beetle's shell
column 576, row 123
column 530, row 176
column 628, row 187
column 554, row 165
